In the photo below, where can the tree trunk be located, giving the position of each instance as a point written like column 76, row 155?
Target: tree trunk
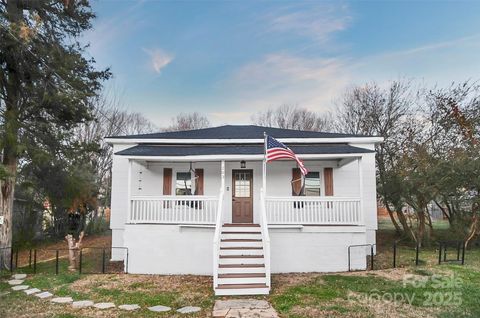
column 394, row 222
column 10, row 135
column 73, row 251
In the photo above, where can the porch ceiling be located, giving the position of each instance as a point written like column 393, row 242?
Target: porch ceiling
column 145, row 150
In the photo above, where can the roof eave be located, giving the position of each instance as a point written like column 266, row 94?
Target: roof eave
column 236, row 157
column 350, row 140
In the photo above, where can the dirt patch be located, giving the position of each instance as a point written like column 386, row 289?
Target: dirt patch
column 280, row 282
column 151, row 283
column 46, row 252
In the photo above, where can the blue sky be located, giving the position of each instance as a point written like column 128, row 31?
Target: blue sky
column 230, row 59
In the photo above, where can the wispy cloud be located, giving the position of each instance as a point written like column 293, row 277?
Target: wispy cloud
column 158, row 59
column 318, row 23
column 281, row 78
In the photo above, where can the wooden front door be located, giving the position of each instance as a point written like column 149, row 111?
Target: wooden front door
column 242, row 196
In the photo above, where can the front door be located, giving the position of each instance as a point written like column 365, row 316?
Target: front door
column 242, row 196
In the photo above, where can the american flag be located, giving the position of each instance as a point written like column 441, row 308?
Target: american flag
column 276, row 150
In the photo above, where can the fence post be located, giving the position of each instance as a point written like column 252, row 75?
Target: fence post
column 16, row 258
column 439, row 253
column 416, row 253
column 103, row 261
column 371, row 257
column 458, row 251
column 11, row 259
column 463, row 253
column 445, row 252
column 80, row 263
column 394, row 254
column 56, row 262
column 348, row 258
column 35, row 261
column 126, row 267
column 30, row 259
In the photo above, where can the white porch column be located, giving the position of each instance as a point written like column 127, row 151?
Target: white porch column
column 129, row 191
column 360, row 190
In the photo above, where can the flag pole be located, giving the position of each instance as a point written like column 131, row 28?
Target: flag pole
column 264, row 171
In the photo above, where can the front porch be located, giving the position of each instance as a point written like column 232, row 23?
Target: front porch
column 238, row 231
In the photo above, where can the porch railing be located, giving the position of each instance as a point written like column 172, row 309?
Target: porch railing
column 313, row 210
column 192, row 209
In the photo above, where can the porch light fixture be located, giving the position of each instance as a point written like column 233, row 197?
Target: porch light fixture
column 243, row 164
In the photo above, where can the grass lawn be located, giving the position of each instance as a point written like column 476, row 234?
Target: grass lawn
column 431, row 290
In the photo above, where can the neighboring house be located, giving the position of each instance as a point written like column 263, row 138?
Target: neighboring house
column 191, row 202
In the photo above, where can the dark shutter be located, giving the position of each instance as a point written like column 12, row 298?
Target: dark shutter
column 328, row 179
column 297, row 186
column 167, row 181
column 199, row 182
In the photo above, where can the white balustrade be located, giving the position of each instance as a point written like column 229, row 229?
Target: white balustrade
column 185, row 209
column 313, row 210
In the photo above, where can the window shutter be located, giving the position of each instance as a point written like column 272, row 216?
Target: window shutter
column 199, row 182
column 167, row 181
column 297, row 188
column 328, row 179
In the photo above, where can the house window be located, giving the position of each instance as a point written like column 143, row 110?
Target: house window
column 312, row 184
column 183, row 183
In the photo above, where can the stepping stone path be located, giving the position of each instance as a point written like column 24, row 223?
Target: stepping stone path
column 44, row 295
column 82, row 304
column 237, row 308
column 19, row 276
column 104, row 305
column 129, row 307
column 159, row 308
column 32, row 291
column 62, row 300
column 189, row 310
column 15, row 282
column 18, row 279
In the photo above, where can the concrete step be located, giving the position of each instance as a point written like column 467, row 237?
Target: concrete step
column 241, row 251
column 241, row 279
column 241, row 269
column 241, row 236
column 242, row 289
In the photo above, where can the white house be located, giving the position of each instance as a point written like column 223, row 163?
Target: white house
column 192, row 202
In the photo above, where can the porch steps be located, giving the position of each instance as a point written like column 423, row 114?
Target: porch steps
column 241, row 263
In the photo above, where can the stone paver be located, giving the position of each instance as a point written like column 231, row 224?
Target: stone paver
column 44, row 295
column 15, row 282
column 188, row 310
column 20, row 287
column 159, row 308
column 4, row 293
column 237, row 308
column 32, row 291
column 61, row 300
column 19, row 276
column 129, row 307
column 82, row 304
column 104, row 305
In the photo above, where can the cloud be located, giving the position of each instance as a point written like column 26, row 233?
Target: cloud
column 318, row 23
column 158, row 59
column 287, row 79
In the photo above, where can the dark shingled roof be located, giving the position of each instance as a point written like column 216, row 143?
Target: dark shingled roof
column 237, row 132
column 181, row 150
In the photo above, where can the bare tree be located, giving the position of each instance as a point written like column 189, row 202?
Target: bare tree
column 293, row 117
column 188, row 121
column 386, row 112
column 111, row 120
